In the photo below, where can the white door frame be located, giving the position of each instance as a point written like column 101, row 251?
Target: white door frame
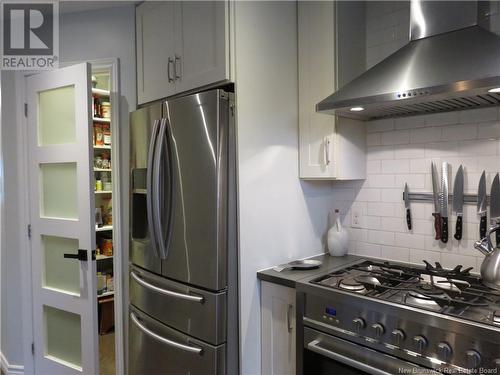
column 24, row 244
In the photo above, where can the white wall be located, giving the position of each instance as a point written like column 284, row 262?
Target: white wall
column 90, row 35
column 401, row 150
column 281, row 218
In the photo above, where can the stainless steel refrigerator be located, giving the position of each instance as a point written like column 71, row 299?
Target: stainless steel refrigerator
column 183, row 311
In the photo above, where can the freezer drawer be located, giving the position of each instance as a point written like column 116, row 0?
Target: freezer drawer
column 196, row 312
column 157, row 349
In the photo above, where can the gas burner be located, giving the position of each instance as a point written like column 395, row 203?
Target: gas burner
column 444, row 283
column 352, row 285
column 419, row 300
column 496, row 317
column 367, row 279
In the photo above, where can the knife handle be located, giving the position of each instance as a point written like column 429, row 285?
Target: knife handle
column 482, row 227
column 408, row 218
column 444, row 229
column 437, row 224
column 458, row 229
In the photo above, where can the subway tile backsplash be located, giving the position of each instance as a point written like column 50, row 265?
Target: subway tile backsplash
column 396, row 156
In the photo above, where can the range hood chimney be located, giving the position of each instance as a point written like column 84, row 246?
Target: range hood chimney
column 450, row 63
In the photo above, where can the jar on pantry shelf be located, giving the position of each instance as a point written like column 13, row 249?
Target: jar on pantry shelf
column 106, row 162
column 99, row 135
column 98, row 162
column 107, row 247
column 106, row 133
column 106, row 109
column 98, row 185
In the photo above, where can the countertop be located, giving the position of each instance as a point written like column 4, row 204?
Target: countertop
column 290, row 277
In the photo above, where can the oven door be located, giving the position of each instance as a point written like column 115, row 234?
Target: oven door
column 326, row 354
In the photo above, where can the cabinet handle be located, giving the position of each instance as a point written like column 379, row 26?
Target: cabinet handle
column 170, row 62
column 289, row 318
column 177, row 61
column 327, row 150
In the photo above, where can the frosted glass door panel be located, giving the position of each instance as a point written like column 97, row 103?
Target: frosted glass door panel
column 59, row 191
column 56, row 116
column 63, row 334
column 61, row 273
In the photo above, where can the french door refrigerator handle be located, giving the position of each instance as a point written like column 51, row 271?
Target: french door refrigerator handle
column 149, row 185
column 170, row 293
column 187, row 348
column 159, row 187
column 315, row 347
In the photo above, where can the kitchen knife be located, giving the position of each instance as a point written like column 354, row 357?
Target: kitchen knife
column 407, row 206
column 437, row 204
column 458, row 201
column 495, row 205
column 481, row 205
column 444, row 202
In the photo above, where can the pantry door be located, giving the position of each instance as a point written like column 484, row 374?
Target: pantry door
column 62, row 222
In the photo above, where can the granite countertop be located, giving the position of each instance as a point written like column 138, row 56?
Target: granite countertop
column 290, row 277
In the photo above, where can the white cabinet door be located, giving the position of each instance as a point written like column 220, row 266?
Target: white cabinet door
column 202, row 43
column 155, row 46
column 316, row 81
column 278, row 329
column 62, row 222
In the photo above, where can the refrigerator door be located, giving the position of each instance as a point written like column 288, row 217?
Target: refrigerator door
column 142, row 250
column 195, row 312
column 155, row 349
column 198, row 152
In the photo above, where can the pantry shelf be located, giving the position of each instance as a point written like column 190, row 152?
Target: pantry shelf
column 106, row 294
column 102, row 257
column 103, row 192
column 101, row 119
column 102, row 169
column 100, row 92
column 103, row 147
column 104, row 228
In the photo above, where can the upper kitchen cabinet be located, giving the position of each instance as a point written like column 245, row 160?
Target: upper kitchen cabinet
column 155, row 50
column 330, row 148
column 180, row 46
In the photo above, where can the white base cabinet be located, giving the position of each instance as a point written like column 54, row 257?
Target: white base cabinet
column 278, row 329
column 330, row 148
column 181, row 46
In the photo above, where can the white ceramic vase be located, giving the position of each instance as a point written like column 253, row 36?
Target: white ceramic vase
column 337, row 238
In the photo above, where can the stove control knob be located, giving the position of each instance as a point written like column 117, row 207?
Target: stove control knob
column 444, row 351
column 420, row 342
column 473, row 358
column 379, row 329
column 359, row 324
column 398, row 336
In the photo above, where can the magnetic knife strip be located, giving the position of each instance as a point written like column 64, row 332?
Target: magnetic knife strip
column 429, row 197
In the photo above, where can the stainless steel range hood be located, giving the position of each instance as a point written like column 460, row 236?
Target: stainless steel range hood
column 450, row 63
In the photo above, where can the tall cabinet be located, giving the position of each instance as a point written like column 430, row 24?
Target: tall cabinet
column 330, row 148
column 180, row 46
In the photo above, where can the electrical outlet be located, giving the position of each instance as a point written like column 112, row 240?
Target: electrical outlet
column 356, row 218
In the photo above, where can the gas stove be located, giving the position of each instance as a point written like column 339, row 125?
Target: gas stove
column 425, row 318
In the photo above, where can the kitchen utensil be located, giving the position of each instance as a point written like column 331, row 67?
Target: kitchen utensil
column 444, row 201
column 303, row 264
column 490, row 272
column 481, row 205
column 495, row 206
column 337, row 238
column 458, row 201
column 407, row 206
column 437, row 204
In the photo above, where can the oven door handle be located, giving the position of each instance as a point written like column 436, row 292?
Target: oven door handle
column 314, row 346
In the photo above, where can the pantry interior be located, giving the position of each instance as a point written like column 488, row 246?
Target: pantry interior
column 103, row 125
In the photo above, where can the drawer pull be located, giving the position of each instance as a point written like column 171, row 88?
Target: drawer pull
column 166, row 292
column 188, row 348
